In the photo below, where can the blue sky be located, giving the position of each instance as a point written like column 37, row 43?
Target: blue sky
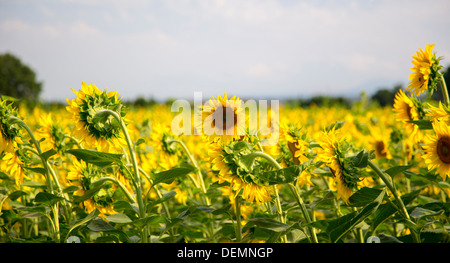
column 249, row 48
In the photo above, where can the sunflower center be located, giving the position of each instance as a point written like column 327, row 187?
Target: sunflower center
column 443, row 149
column 380, row 148
column 409, row 112
column 228, row 117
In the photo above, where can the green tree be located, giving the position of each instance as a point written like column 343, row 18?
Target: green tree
column 17, row 79
column 385, row 97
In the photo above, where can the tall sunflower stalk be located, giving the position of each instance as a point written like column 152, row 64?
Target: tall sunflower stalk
column 50, row 176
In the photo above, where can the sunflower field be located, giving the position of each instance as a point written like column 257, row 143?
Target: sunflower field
column 96, row 171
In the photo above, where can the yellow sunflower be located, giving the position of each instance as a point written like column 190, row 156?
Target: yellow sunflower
column 225, row 160
column 12, row 164
column 405, row 110
column 422, row 61
column 439, row 113
column 437, row 149
column 102, row 134
column 83, row 175
column 10, row 134
column 222, row 119
column 333, row 156
column 50, row 133
column 165, row 151
column 425, row 72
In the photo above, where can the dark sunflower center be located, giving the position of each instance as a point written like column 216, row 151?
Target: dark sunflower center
column 228, row 117
column 409, row 112
column 380, row 148
column 443, row 149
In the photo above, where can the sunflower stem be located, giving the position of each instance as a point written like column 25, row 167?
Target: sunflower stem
column 445, row 91
column 302, row 206
column 237, row 204
column 391, row 187
column 50, row 175
column 201, row 183
column 137, row 179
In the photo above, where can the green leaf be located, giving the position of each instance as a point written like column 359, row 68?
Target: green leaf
column 48, row 154
column 119, row 219
column 420, row 213
column 170, row 175
column 83, row 221
column 47, row 198
column 38, row 170
column 34, row 184
column 16, row 194
column 337, row 228
column 364, row 196
column 423, row 124
column 337, row 125
column 361, row 159
column 266, row 223
column 150, row 220
column 96, row 157
column 393, row 171
column 281, row 176
column 95, row 187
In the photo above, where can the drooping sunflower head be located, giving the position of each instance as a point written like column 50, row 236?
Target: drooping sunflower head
column 408, row 109
column 164, row 150
column 84, row 175
column 425, row 72
column 332, row 152
column 222, row 119
column 296, row 143
column 440, row 113
column 227, row 160
column 10, row 133
column 437, row 149
column 93, row 130
column 50, row 133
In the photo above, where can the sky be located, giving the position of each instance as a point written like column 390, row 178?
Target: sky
column 248, row 48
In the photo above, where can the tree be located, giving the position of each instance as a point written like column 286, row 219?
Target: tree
column 385, row 97
column 18, row 80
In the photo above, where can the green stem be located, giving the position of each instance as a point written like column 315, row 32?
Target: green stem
column 237, row 204
column 391, row 187
column 50, row 174
column 137, row 179
column 201, row 183
column 302, row 206
column 445, row 91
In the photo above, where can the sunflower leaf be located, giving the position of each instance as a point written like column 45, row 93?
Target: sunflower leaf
column 96, row 157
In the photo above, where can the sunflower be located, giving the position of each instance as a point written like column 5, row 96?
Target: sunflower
column 93, row 131
column 83, row 175
column 10, row 134
column 296, row 143
column 379, row 141
column 437, row 149
column 225, row 159
column 222, row 119
column 12, row 163
column 332, row 153
column 425, row 71
column 165, row 151
column 439, row 113
column 406, row 110
column 50, row 133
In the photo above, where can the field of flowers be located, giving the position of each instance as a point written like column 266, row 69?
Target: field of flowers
column 97, row 171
